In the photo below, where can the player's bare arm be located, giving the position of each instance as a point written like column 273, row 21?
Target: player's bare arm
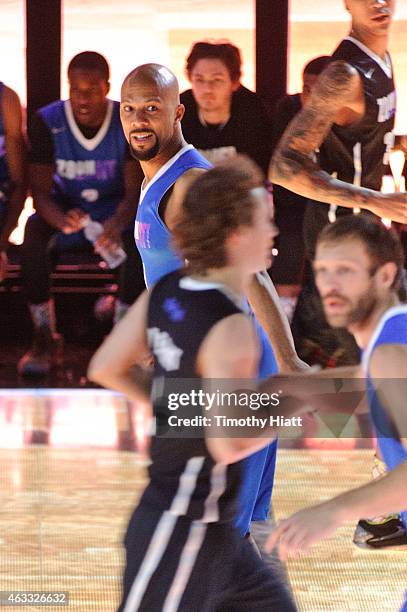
column 41, row 181
column 113, row 365
column 267, row 308
column 336, row 98
column 175, row 201
column 126, row 210
column 230, row 351
column 307, row 527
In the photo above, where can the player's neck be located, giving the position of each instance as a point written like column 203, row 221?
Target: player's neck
column 232, row 280
column 219, row 116
column 152, row 166
column 364, row 331
column 377, row 44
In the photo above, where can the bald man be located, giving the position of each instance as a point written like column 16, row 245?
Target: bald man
column 151, row 115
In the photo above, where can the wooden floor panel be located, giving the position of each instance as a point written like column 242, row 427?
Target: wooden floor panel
column 64, row 510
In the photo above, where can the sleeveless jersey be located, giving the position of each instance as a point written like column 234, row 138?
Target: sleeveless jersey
column 183, row 476
column 392, row 329
column 88, row 172
column 4, row 175
column 358, row 153
column 150, row 232
column 159, row 258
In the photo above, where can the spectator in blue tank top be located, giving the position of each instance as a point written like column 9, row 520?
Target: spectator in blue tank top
column 79, row 168
column 13, row 184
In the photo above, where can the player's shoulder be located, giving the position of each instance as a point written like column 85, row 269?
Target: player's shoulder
column 186, row 179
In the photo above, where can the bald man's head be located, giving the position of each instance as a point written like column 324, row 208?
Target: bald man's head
column 150, row 110
column 154, row 75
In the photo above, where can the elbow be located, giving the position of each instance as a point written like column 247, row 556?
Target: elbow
column 98, row 371
column 278, row 174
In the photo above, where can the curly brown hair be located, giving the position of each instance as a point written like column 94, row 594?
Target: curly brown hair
column 217, row 203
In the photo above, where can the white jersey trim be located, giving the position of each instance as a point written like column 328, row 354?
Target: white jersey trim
column 193, row 284
column 389, row 314
column 385, row 65
column 89, row 144
column 145, row 187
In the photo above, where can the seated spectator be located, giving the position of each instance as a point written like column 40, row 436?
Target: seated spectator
column 80, row 167
column 13, row 188
column 222, row 117
column 288, row 266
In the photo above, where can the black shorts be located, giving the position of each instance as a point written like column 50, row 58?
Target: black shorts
column 175, row 564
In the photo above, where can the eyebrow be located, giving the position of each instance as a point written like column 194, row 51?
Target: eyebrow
column 131, row 101
column 212, row 73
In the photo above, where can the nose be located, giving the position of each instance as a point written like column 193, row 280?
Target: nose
column 138, row 118
column 83, row 97
column 274, row 231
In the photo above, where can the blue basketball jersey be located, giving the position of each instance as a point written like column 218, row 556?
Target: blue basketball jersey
column 153, row 241
column 392, row 329
column 88, row 172
column 150, row 232
column 4, row 176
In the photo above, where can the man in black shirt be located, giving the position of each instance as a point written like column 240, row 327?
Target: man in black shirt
column 222, row 117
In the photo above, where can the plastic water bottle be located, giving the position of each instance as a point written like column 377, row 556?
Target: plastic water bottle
column 113, row 257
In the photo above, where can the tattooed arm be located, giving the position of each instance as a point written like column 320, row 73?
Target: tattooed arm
column 337, row 97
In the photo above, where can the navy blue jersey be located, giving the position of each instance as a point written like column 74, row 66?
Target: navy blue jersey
column 154, row 243
column 359, row 153
column 392, row 329
column 183, row 475
column 88, row 172
column 4, row 175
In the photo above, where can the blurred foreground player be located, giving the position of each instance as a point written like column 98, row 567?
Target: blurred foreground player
column 183, row 550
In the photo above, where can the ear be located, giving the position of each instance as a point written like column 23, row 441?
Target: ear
column 235, row 85
column 179, row 112
column 386, row 274
column 107, row 87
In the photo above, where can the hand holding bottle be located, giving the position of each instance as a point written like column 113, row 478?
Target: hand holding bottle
column 111, row 252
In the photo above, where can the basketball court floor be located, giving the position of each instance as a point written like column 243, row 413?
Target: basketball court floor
column 69, row 477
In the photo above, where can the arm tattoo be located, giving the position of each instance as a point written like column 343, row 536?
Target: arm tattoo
column 292, row 164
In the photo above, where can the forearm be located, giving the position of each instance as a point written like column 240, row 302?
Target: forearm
column 378, row 497
column 303, row 176
column 48, row 210
column 267, row 308
column 134, row 383
column 125, row 212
